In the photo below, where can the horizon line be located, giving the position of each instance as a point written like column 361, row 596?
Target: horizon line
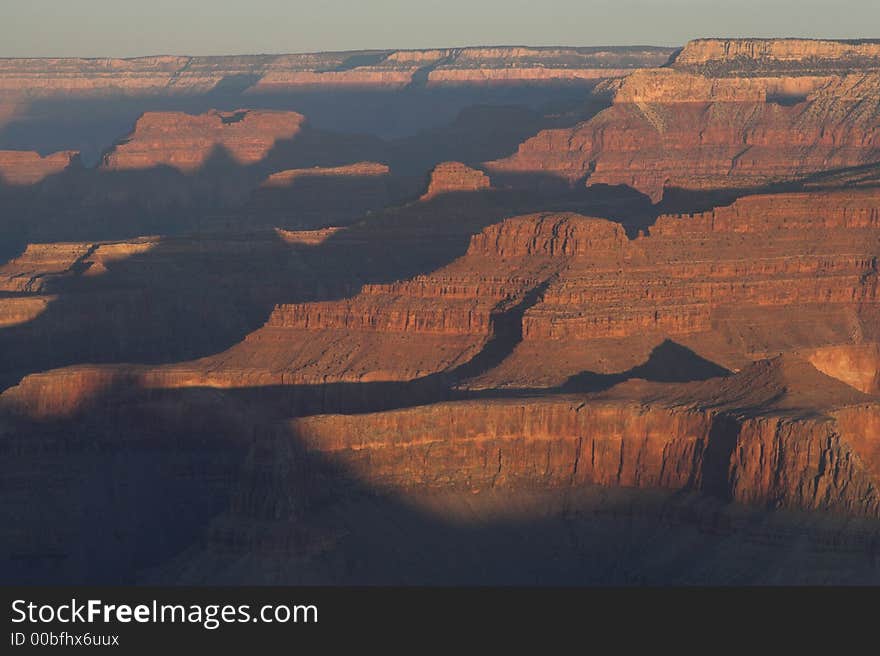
column 854, row 41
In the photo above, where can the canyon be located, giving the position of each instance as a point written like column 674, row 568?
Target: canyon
column 627, row 334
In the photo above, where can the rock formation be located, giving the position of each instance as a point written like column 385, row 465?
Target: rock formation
column 187, row 142
column 701, row 128
column 389, row 68
column 27, row 168
column 39, row 263
column 757, row 56
column 817, row 462
column 455, row 176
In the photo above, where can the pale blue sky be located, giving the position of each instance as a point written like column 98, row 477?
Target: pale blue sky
column 97, row 28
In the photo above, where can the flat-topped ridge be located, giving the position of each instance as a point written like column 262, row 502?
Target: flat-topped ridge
column 755, row 56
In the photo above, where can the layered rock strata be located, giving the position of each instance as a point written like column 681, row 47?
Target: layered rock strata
column 19, row 167
column 797, row 56
column 187, row 142
column 176, row 75
column 449, row 177
column 780, row 458
column 694, row 128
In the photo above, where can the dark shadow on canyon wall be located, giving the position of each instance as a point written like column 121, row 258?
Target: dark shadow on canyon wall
column 82, row 203
column 669, row 362
column 193, row 296
column 853, row 176
column 89, row 203
column 507, row 332
column 190, row 486
column 688, row 201
column 90, row 125
column 716, row 457
column 360, row 59
column 98, row 495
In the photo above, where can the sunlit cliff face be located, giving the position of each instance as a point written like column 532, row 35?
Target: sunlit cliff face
column 856, row 365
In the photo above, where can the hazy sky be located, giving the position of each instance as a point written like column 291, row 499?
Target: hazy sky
column 120, row 28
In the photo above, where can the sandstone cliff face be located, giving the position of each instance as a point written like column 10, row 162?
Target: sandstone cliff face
column 187, row 142
column 454, row 176
column 730, row 438
column 857, row 365
column 746, row 56
column 680, row 279
column 690, row 128
column 64, row 392
column 41, row 265
column 541, row 65
column 389, row 332
column 30, row 271
column 479, row 445
column 59, row 75
column 505, row 268
column 664, row 85
column 173, row 75
column 651, row 147
column 18, row 167
column 802, row 464
column 15, row 311
column 772, row 460
column 559, row 57
column 554, row 235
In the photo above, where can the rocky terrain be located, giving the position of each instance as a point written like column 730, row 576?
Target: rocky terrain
column 34, row 77
column 187, row 142
column 693, row 126
column 448, row 177
column 22, row 167
column 626, row 336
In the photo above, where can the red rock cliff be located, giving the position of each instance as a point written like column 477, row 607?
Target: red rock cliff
column 708, row 130
column 18, row 167
column 186, row 142
column 454, row 176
